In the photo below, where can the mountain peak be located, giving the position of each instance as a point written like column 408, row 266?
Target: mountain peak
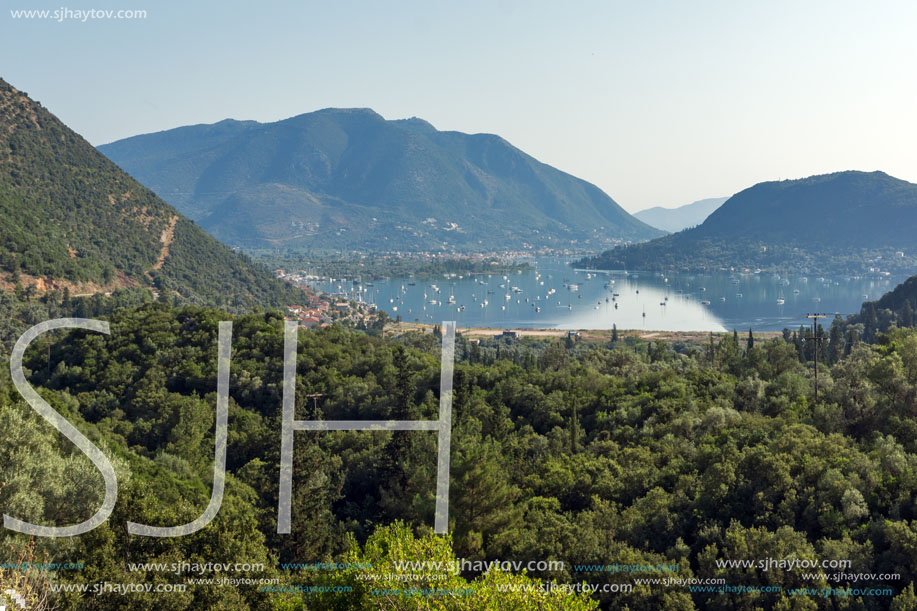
column 831, row 176
column 416, row 122
column 791, row 223
column 348, row 178
column 352, row 112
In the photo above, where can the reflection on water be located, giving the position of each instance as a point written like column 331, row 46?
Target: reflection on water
column 554, row 295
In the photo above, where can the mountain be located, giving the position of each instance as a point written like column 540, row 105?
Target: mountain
column 348, row 178
column 846, row 222
column 676, row 219
column 71, row 219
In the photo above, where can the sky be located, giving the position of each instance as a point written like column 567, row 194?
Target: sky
column 657, row 103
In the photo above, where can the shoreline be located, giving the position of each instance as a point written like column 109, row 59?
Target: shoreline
column 589, row 335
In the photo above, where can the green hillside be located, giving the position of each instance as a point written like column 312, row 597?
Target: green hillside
column 71, row 219
column 895, row 308
column 347, row 178
column 844, row 222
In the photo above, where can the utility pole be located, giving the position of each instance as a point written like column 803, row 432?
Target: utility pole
column 815, row 339
column 315, row 397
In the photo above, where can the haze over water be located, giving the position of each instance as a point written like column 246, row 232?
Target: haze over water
column 581, row 299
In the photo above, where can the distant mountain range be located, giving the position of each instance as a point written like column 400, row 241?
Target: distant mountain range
column 844, row 222
column 683, row 217
column 349, row 179
column 71, row 220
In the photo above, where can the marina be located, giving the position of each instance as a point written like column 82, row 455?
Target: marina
column 554, row 295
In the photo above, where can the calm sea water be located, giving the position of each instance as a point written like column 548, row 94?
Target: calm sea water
column 554, row 295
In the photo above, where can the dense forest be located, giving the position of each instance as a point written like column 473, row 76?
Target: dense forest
column 627, row 453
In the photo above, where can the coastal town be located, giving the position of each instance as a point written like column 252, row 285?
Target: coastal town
column 323, row 309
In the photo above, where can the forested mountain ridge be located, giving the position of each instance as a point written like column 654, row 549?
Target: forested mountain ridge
column 864, row 209
column 348, row 178
column 71, row 219
column 844, row 222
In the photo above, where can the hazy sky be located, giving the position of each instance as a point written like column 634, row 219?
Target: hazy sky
column 658, row 103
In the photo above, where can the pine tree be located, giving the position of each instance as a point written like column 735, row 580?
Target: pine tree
column 751, row 340
column 835, row 343
column 870, row 322
column 482, row 498
column 400, row 442
column 574, row 427
column 907, row 315
column 317, row 482
column 614, row 334
column 405, row 385
column 852, row 339
column 66, row 302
